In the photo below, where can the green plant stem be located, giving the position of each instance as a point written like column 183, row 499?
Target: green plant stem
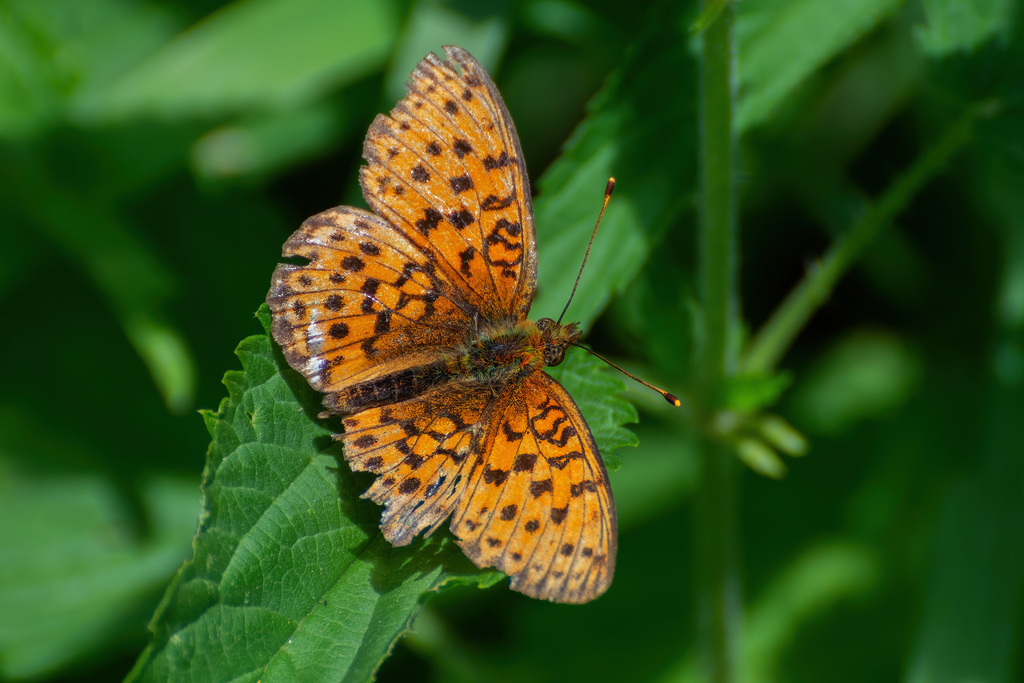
column 775, row 337
column 716, row 531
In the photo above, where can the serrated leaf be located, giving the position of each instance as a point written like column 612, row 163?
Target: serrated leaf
column 291, row 575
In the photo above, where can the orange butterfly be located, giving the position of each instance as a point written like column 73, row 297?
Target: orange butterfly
column 412, row 321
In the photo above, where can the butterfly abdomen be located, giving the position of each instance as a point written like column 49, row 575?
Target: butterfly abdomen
column 391, row 388
column 493, row 361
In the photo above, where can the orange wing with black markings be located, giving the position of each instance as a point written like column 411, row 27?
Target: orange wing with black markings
column 540, row 508
column 369, row 302
column 446, row 168
column 453, row 241
column 423, row 452
column 412, row 321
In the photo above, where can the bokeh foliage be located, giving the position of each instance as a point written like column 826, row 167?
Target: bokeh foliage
column 155, row 155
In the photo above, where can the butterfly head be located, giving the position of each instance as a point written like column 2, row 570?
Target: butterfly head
column 556, row 338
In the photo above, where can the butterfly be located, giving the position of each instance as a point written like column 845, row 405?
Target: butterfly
column 412, row 321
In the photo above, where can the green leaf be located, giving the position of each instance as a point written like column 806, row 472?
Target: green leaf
column 957, row 26
column 640, row 129
column 76, row 571
column 262, row 145
column 54, row 52
column 809, row 586
column 751, row 392
column 970, row 622
column 972, row 609
column 975, row 581
column 135, row 288
column 868, row 374
column 481, row 28
column 758, row 456
column 288, row 560
column 781, row 435
column 252, row 54
column 168, row 359
column 783, row 42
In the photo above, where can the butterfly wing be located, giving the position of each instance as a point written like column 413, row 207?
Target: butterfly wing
column 369, row 303
column 446, row 168
column 520, row 472
column 452, row 246
column 423, row 451
column 540, row 508
column 382, row 296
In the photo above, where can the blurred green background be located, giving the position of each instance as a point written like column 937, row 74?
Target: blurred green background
column 154, row 156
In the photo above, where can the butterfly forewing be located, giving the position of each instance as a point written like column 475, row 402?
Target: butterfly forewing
column 367, row 304
column 446, row 168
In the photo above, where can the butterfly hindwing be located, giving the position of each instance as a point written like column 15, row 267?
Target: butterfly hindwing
column 423, row 452
column 520, row 471
column 540, row 508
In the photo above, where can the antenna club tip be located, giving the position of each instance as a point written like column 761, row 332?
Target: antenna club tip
column 672, row 399
column 609, row 187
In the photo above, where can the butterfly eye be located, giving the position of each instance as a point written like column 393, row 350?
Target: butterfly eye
column 554, row 355
column 544, row 324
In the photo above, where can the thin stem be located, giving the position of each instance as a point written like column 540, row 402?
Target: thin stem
column 716, row 536
column 775, row 337
column 716, row 530
column 717, row 249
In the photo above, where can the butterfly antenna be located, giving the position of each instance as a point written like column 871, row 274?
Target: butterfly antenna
column 664, row 394
column 607, row 195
